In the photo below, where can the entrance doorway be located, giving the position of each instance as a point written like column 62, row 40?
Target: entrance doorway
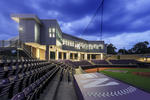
column 52, row 55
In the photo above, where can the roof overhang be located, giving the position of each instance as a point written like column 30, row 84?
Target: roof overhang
column 36, row 45
column 17, row 17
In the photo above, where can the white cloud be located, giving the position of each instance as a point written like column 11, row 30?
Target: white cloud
column 88, row 37
column 137, row 5
column 70, row 27
column 124, row 40
column 127, row 40
column 53, row 13
column 8, row 25
column 5, row 36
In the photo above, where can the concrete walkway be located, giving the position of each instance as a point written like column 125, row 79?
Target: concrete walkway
column 97, row 86
column 79, row 71
column 60, row 88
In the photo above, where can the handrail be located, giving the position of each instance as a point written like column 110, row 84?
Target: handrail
column 17, row 44
column 28, row 52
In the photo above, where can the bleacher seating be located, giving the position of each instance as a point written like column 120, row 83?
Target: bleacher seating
column 25, row 79
column 68, row 62
column 123, row 61
column 99, row 62
column 81, row 63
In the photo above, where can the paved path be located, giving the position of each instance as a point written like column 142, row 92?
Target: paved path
column 60, row 88
column 96, row 86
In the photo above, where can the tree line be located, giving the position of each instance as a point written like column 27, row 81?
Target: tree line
column 138, row 48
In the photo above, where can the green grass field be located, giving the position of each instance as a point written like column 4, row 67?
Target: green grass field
column 136, row 80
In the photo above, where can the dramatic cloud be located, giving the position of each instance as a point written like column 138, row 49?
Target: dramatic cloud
column 124, row 40
column 122, row 18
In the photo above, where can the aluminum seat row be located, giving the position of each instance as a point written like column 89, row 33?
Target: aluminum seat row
column 12, row 84
column 99, row 62
column 32, row 92
column 7, row 70
column 8, row 61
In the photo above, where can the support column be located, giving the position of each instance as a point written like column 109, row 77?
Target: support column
column 37, row 53
column 68, row 55
column 73, row 56
column 57, row 55
column 62, row 55
column 101, row 56
column 85, row 56
column 47, row 52
column 90, row 56
column 31, row 52
column 79, row 56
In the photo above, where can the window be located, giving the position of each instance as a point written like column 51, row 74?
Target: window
column 100, row 48
column 36, row 32
column 51, row 32
column 50, row 35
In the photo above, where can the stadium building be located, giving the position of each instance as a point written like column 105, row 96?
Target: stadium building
column 24, row 78
column 46, row 40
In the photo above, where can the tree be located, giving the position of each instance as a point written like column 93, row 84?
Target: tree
column 111, row 49
column 130, row 51
column 122, row 51
column 141, row 48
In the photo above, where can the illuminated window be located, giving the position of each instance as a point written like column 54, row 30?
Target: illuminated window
column 50, row 35
column 20, row 28
column 51, row 32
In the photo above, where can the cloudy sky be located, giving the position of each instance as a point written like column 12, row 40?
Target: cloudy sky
column 126, row 22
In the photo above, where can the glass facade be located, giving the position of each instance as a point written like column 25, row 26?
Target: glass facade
column 58, row 35
column 82, row 45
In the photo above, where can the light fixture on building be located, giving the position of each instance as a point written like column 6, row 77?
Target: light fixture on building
column 20, row 28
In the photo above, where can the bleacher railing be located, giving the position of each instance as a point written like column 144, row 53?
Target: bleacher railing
column 16, row 44
column 10, row 43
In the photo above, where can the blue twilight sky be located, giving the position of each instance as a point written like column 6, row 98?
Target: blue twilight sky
column 126, row 22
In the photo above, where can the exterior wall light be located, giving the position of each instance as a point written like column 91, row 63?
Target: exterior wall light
column 20, row 28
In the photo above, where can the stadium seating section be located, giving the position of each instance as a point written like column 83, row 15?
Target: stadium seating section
column 25, row 79
column 80, row 63
column 75, row 64
column 99, row 61
column 123, row 61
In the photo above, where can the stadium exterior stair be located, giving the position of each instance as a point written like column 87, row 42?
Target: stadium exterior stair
column 108, row 62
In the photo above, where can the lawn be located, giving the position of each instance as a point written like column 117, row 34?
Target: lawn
column 136, row 80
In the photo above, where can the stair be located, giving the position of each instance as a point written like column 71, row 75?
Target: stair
column 108, row 62
column 91, row 62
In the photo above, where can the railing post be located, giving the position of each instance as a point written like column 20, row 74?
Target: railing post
column 10, row 43
column 17, row 45
column 3, row 43
column 0, row 43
